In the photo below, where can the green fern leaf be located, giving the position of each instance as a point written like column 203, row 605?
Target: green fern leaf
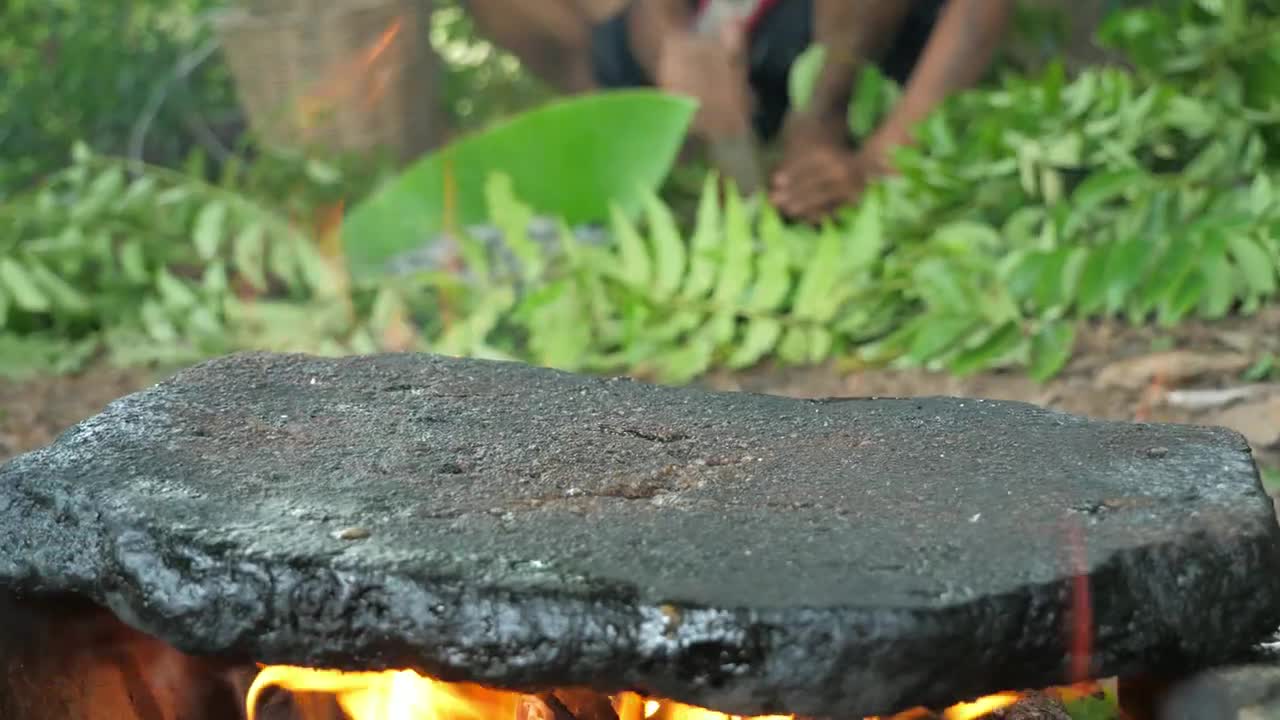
column 668, row 249
column 210, row 226
column 21, row 287
column 794, row 346
column 761, row 336
column 633, row 266
column 62, row 294
column 559, row 335
column 865, row 241
column 248, row 251
column 704, row 244
column 512, row 217
column 688, row 362
column 818, row 296
column 773, row 272
column 735, row 258
column 721, row 328
column 820, row 343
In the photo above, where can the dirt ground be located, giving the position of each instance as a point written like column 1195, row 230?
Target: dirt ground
column 1192, row 374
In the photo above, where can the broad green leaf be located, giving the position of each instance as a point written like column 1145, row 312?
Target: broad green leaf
column 1219, row 286
column 209, row 229
column 248, row 252
column 5, row 304
column 1050, row 293
column 1254, row 262
column 999, row 344
column 1051, row 349
column 1024, row 273
column 1174, row 306
column 1091, row 290
column 19, row 285
column 1098, row 189
column 1073, row 269
column 668, row 248
column 938, row 334
column 941, row 287
column 967, row 236
column 622, row 144
column 703, row 247
column 761, row 336
column 1126, row 267
column 1168, row 273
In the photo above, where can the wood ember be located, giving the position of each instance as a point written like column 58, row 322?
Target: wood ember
column 565, row 705
column 1031, row 706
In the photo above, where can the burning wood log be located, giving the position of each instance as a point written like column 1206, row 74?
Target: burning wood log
column 1031, row 706
column 565, row 705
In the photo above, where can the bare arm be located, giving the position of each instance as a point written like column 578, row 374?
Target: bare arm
column 958, row 52
column 852, row 33
column 651, row 22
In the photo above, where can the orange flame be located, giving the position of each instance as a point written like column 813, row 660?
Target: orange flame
column 407, row 695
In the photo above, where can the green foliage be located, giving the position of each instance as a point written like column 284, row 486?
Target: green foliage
column 158, row 266
column 84, row 71
column 1149, row 194
column 621, row 145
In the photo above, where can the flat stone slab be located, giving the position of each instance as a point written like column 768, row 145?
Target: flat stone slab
column 522, row 527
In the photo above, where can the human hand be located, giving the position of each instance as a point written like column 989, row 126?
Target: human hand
column 712, row 70
column 817, row 178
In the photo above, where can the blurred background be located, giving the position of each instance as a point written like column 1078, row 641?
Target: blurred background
column 1094, row 227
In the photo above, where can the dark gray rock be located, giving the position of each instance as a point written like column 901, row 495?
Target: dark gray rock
column 517, row 526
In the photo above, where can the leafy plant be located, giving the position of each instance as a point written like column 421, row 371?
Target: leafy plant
column 159, row 266
column 80, row 71
column 570, row 158
column 1021, row 210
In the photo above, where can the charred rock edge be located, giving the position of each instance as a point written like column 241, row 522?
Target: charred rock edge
column 732, row 660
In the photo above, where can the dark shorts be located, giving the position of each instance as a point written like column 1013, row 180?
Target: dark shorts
column 782, row 35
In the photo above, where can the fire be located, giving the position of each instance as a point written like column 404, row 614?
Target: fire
column 406, row 695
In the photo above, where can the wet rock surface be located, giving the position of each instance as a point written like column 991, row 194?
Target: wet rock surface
column 527, row 528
